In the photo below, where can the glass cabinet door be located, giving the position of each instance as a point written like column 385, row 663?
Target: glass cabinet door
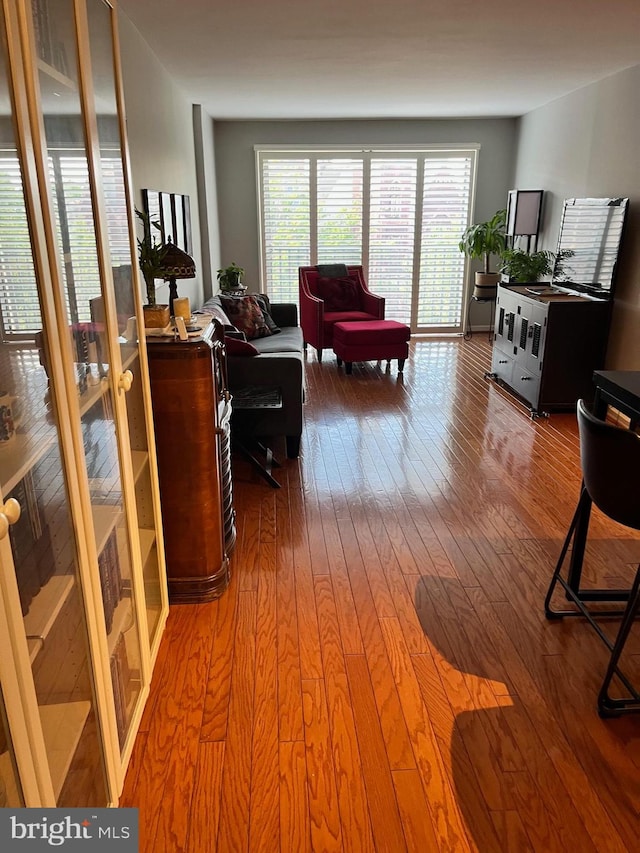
column 44, row 554
column 96, row 367
column 133, row 353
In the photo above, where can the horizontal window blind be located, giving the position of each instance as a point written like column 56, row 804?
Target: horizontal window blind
column 398, row 213
column 18, row 295
column 68, row 173
column 286, row 213
column 339, row 200
column 392, row 234
column 445, row 210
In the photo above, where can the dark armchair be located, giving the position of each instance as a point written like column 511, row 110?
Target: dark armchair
column 329, row 299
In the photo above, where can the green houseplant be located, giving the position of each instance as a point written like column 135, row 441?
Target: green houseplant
column 481, row 241
column 229, row 278
column 523, row 266
column 151, row 255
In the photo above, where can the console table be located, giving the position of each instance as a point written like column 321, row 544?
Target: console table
column 191, row 415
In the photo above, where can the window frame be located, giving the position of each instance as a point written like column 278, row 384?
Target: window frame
column 315, row 152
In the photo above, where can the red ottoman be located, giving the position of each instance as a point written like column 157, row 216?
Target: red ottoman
column 369, row 340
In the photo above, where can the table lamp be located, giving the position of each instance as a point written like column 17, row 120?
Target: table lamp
column 176, row 264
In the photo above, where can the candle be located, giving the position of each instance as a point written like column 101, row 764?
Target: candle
column 182, row 308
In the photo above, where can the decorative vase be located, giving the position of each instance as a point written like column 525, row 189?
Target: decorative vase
column 156, row 316
column 486, row 285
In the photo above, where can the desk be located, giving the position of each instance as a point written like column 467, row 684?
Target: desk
column 620, row 389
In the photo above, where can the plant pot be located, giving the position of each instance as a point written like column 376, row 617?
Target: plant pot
column 486, row 285
column 156, row 316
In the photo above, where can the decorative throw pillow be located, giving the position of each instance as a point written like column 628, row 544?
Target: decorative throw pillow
column 245, row 314
column 238, row 347
column 265, row 306
column 339, row 294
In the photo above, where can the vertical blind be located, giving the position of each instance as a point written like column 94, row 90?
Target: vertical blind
column 19, row 301
column 398, row 213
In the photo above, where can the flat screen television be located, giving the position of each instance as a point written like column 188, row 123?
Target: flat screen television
column 592, row 229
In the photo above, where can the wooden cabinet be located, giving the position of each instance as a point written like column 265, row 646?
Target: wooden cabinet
column 547, row 346
column 192, row 413
column 83, row 598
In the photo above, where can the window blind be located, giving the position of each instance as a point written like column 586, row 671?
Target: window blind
column 445, row 210
column 18, row 295
column 339, row 201
column 19, row 301
column 286, row 212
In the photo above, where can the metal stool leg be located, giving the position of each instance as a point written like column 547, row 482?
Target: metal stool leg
column 607, row 706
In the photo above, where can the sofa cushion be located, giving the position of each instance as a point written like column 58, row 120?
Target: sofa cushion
column 289, row 340
column 339, row 294
column 245, row 314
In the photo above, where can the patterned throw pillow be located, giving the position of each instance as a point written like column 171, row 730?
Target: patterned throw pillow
column 263, row 301
column 246, row 315
column 339, row 294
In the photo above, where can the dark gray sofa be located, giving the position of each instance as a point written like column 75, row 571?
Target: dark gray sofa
column 279, row 364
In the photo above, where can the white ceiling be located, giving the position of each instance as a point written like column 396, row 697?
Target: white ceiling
column 279, row 59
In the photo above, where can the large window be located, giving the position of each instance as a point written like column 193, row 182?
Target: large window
column 399, row 213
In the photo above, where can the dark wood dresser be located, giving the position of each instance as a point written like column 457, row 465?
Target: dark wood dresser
column 191, row 414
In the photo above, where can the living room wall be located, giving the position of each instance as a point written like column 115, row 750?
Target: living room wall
column 586, row 145
column 236, row 178
column 160, row 130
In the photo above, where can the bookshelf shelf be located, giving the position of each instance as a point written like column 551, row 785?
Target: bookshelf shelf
column 56, row 76
column 123, row 620
column 147, row 541
column 20, row 455
column 105, row 518
column 44, row 610
column 62, row 725
column 140, row 460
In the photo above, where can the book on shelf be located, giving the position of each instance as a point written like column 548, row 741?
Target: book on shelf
column 118, row 698
column 110, row 578
column 42, row 29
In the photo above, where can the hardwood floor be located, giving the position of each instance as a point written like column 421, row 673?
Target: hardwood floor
column 380, row 674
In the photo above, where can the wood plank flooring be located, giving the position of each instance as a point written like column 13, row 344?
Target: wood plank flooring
column 380, row 676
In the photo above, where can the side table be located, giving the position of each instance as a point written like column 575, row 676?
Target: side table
column 245, row 430
column 468, row 331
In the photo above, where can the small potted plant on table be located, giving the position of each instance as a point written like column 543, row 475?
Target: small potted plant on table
column 230, row 278
column 151, row 254
column 482, row 241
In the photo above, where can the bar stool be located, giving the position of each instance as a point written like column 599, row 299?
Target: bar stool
column 610, row 459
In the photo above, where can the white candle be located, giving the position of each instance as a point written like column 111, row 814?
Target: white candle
column 182, row 307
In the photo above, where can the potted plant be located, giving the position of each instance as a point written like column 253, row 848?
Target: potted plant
column 230, row 278
column 151, row 254
column 482, row 241
column 523, row 266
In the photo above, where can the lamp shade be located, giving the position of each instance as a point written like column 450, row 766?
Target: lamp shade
column 176, row 263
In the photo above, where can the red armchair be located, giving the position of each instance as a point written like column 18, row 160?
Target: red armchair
column 326, row 300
